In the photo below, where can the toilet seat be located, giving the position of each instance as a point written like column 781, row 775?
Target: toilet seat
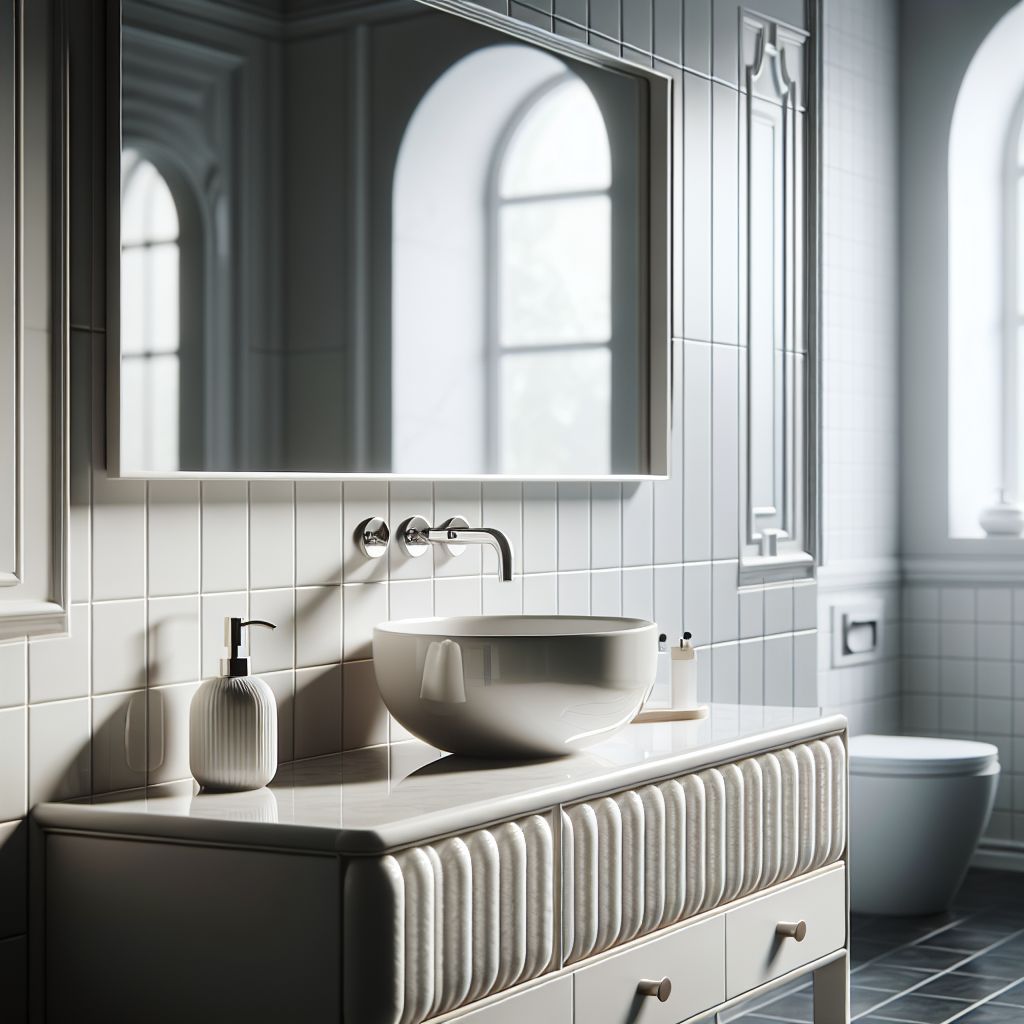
column 919, row 755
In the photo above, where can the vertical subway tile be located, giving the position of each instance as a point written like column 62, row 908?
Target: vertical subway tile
column 225, row 535
column 752, row 671
column 173, row 547
column 606, row 525
column 668, row 30
column 13, row 763
column 365, row 719
column 697, row 208
column 457, row 499
column 778, row 671
column 318, row 506
column 272, row 649
column 725, row 452
column 638, row 593
column 173, row 640
column 540, row 594
column 58, row 669
column 318, row 626
column 805, row 605
column 668, row 494
column 167, row 725
column 364, row 605
column 499, row 597
column 805, row 670
column 637, row 25
column 118, row 538
column 637, row 523
column 697, row 602
column 668, row 601
column 571, row 10
column 725, row 37
column 573, row 526
column 271, row 534
column 14, row 673
column 502, row 508
column 540, row 527
column 118, row 646
column 457, row 596
column 408, row 498
column 59, row 763
column 725, row 681
column 573, row 593
column 282, row 684
column 724, row 602
column 363, row 500
column 605, row 18
column 725, row 299
column 778, row 609
column 697, row 452
column 119, row 736
column 697, row 35
column 751, row 601
column 319, row 715
column 410, row 599
column 606, row 592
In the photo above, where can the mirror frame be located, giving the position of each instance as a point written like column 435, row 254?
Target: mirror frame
column 655, row 297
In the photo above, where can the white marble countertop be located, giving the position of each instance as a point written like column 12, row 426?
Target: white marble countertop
column 383, row 798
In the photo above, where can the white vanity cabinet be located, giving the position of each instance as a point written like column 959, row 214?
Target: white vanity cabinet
column 654, row 879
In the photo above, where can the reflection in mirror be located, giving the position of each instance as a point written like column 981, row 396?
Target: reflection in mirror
column 381, row 239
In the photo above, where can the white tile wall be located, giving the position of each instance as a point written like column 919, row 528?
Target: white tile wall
column 860, row 346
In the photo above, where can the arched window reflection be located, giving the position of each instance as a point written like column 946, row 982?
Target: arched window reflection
column 150, row 315
column 552, row 346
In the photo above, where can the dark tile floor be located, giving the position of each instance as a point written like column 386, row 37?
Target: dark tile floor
column 965, row 966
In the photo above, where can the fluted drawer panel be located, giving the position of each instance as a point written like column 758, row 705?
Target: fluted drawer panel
column 437, row 926
column 647, row 858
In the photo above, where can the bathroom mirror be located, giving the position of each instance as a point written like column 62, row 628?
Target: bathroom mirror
column 384, row 238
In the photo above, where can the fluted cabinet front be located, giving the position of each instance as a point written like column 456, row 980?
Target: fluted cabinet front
column 434, row 927
column 646, row 858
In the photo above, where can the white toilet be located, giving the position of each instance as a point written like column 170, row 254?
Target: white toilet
column 918, row 807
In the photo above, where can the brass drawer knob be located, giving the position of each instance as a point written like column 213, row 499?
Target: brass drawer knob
column 660, row 989
column 792, row 930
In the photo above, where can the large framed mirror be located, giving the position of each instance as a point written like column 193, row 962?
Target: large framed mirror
column 389, row 238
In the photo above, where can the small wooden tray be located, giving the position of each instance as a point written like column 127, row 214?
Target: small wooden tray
column 673, row 714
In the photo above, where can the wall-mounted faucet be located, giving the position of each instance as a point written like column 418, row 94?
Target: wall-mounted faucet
column 416, row 535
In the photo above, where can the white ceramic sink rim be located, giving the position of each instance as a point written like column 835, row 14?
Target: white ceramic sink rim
column 473, row 627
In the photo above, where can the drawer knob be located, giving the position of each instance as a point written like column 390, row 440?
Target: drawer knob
column 661, row 990
column 792, row 930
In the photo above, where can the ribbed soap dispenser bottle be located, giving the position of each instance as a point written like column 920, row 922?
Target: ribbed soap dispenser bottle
column 233, row 722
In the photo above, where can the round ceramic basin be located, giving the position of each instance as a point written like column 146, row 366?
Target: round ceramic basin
column 515, row 685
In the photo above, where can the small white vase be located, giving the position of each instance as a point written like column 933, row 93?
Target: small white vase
column 233, row 734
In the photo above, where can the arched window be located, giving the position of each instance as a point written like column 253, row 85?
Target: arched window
column 986, row 294
column 150, row 315
column 552, row 255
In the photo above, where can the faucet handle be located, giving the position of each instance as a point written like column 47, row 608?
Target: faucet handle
column 412, row 536
column 455, row 523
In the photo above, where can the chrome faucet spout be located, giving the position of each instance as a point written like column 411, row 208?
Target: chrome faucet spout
column 415, row 536
column 452, row 534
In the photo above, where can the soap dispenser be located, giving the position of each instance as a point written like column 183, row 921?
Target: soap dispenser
column 233, row 722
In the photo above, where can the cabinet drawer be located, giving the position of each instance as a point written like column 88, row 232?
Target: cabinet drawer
column 550, row 1003
column 756, row 952
column 693, row 959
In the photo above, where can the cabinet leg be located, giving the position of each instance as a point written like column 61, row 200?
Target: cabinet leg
column 832, row 993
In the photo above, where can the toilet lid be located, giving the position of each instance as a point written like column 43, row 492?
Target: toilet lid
column 919, row 755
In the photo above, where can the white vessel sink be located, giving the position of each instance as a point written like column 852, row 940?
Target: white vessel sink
column 515, row 685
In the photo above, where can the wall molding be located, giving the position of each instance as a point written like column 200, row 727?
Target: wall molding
column 862, row 573
column 969, row 569
column 999, row 855
column 34, row 599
